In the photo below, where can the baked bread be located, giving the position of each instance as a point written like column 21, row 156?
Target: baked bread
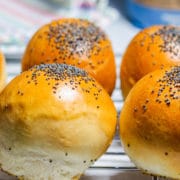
column 55, row 121
column 76, row 42
column 150, row 123
column 151, row 49
column 2, row 71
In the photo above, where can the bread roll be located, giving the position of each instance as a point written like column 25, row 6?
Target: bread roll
column 150, row 123
column 151, row 49
column 2, row 71
column 76, row 42
column 55, row 121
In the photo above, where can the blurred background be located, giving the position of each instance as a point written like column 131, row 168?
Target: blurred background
column 121, row 19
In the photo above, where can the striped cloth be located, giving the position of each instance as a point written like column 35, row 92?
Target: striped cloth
column 18, row 21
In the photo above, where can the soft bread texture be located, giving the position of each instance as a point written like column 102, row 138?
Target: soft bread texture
column 150, row 123
column 55, row 121
column 151, row 49
column 2, row 71
column 76, row 42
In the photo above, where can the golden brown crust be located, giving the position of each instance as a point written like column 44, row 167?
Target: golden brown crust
column 151, row 49
column 57, row 108
column 150, row 123
column 76, row 42
column 2, row 71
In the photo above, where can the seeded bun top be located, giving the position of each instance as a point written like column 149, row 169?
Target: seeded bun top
column 151, row 49
column 55, row 121
column 76, row 42
column 150, row 123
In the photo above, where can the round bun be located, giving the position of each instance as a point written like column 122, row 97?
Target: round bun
column 150, row 123
column 75, row 42
column 55, row 121
column 2, row 71
column 151, row 49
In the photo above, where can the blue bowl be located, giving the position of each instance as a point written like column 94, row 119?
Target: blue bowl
column 144, row 16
